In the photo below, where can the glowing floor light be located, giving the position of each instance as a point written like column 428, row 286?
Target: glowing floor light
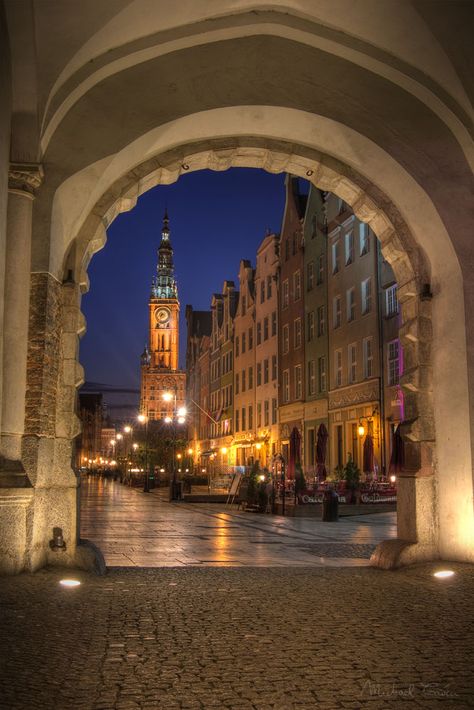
column 69, row 582
column 443, row 573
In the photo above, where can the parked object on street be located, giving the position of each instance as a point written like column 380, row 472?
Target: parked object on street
column 330, row 506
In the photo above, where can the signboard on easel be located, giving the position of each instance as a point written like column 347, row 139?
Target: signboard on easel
column 234, row 487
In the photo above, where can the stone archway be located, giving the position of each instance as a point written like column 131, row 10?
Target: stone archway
column 417, row 524
column 354, row 106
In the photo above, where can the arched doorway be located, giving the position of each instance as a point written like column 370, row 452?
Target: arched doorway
column 280, row 127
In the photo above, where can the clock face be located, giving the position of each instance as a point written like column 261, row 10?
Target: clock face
column 162, row 315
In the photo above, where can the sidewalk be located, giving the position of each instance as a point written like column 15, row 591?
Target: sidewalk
column 133, row 528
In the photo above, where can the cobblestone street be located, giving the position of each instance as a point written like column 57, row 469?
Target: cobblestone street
column 295, row 625
column 238, row 638
column 136, row 529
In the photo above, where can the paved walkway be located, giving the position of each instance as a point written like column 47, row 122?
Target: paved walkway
column 194, row 638
column 137, row 529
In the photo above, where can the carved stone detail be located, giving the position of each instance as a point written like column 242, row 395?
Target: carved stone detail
column 25, row 177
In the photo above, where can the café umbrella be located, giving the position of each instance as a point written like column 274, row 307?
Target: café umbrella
column 397, row 459
column 295, row 449
column 321, row 450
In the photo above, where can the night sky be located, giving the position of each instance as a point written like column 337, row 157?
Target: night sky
column 216, row 219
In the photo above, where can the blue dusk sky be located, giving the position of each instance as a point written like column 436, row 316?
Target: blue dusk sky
column 216, row 219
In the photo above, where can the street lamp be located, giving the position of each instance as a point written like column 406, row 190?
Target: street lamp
column 143, row 419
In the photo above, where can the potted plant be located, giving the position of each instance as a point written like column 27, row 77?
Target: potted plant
column 352, row 478
column 300, row 481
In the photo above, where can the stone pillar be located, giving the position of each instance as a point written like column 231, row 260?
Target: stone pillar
column 16, row 492
column 24, row 179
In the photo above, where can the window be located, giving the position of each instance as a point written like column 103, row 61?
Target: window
column 237, row 384
column 296, row 285
column 287, row 250
column 336, row 312
column 274, row 323
column 310, row 276
column 350, row 304
column 321, row 320
column 286, row 338
column 285, row 294
column 368, row 358
column 286, row 385
column 244, row 423
column 391, row 300
column 250, row 378
column 243, row 343
column 335, row 257
column 297, row 332
column 237, row 346
column 269, row 286
column 352, row 363
column 259, row 332
column 259, row 414
column 294, row 243
column 366, row 293
column 237, row 428
column 243, row 380
column 274, row 411
column 298, row 382
column 265, row 371
column 322, row 374
column 259, row 374
column 364, row 244
column 349, row 247
column 311, row 377
column 250, row 338
column 250, row 417
column 274, row 367
column 265, row 328
column 337, row 368
column 310, row 326
column 393, row 356
column 320, row 270
column 262, row 291
column 266, row 413
column 243, row 305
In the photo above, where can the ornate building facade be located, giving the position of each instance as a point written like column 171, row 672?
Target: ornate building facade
column 159, row 361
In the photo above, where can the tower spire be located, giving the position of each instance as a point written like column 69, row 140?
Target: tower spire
column 164, row 283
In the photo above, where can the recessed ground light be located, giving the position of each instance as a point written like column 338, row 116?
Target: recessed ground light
column 69, row 582
column 444, row 573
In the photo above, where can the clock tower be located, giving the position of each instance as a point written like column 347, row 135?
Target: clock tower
column 159, row 361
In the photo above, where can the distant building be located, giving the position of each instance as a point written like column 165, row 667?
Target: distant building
column 291, row 317
column 266, row 350
column 89, row 442
column 107, row 447
column 316, row 326
column 159, row 361
column 223, row 307
column 244, row 368
column 199, row 328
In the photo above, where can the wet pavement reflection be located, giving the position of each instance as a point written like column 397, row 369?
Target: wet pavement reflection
column 135, row 529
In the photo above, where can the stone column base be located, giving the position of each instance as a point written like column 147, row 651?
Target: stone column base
column 392, row 554
column 16, row 509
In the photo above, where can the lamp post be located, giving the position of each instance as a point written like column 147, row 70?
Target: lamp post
column 178, row 417
column 143, row 419
column 119, row 438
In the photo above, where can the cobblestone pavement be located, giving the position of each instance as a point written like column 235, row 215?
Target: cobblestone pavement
column 137, row 529
column 238, row 639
